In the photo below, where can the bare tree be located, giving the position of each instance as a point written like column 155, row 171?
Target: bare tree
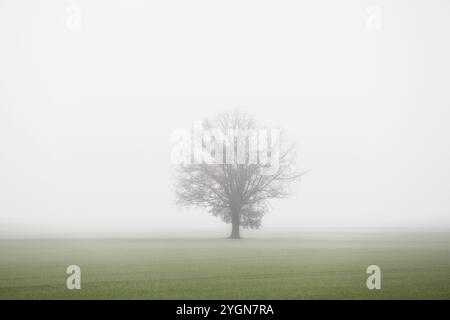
column 245, row 169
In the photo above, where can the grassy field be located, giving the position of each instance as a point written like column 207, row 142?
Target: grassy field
column 310, row 266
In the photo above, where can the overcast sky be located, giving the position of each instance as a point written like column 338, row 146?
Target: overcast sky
column 88, row 106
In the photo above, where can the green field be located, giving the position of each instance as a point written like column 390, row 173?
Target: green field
column 308, row 266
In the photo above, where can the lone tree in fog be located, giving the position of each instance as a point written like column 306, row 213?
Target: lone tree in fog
column 232, row 168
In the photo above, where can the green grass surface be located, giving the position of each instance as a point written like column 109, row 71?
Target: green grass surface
column 315, row 266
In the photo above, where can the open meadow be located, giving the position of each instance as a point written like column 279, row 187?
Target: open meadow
column 308, row 266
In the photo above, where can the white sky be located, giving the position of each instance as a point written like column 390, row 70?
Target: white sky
column 86, row 114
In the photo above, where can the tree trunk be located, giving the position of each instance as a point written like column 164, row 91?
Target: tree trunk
column 235, row 224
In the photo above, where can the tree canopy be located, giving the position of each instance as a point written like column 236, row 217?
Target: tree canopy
column 234, row 168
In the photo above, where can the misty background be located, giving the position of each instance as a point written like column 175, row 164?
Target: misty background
column 87, row 109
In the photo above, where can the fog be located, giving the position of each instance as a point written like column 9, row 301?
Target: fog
column 91, row 91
